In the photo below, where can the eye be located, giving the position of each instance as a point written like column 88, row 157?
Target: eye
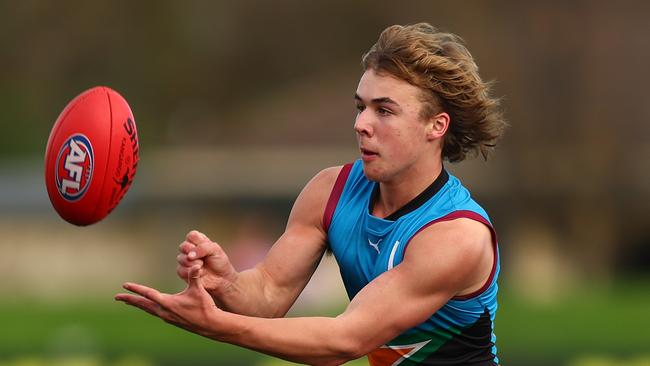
column 384, row 111
column 360, row 108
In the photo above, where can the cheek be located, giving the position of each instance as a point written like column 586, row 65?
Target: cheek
column 405, row 142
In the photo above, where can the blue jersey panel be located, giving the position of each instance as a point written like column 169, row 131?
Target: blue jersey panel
column 366, row 246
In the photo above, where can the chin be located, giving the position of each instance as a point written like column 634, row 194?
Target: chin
column 372, row 173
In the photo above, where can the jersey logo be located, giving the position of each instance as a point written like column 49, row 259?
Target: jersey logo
column 375, row 245
column 394, row 355
column 74, row 167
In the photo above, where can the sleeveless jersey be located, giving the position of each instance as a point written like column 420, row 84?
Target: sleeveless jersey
column 461, row 331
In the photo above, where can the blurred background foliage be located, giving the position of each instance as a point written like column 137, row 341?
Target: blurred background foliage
column 239, row 103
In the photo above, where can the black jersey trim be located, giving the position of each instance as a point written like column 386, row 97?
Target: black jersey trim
column 472, row 346
column 416, row 202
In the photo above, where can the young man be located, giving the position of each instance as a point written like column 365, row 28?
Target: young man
column 418, row 256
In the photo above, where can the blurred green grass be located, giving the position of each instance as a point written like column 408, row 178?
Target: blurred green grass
column 596, row 323
column 603, row 321
column 111, row 330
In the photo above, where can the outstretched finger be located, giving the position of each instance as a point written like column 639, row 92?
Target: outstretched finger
column 146, row 292
column 140, row 302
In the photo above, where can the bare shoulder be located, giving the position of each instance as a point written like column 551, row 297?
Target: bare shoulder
column 465, row 233
column 326, row 178
column 460, row 249
column 310, row 204
column 320, row 186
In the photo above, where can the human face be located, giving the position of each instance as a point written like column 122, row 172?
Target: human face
column 392, row 137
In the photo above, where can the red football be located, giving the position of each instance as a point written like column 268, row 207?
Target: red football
column 91, row 156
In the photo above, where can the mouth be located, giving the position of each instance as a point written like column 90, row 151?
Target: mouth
column 368, row 154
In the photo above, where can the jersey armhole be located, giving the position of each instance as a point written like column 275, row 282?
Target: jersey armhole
column 476, row 217
column 335, row 195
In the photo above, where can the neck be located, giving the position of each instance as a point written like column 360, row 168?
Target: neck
column 397, row 192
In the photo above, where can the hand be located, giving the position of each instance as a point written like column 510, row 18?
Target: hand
column 215, row 270
column 192, row 309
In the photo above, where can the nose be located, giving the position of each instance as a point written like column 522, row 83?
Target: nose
column 363, row 124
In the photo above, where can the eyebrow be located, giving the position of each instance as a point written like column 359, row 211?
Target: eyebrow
column 381, row 100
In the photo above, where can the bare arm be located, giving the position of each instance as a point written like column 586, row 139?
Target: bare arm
column 270, row 288
column 444, row 260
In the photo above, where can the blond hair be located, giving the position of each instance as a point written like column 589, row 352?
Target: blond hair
column 440, row 64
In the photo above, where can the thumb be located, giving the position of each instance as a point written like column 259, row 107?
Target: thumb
column 194, row 279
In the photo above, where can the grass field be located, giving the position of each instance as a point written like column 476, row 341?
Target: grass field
column 609, row 326
column 595, row 327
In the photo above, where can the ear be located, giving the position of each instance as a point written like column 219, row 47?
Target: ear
column 437, row 126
